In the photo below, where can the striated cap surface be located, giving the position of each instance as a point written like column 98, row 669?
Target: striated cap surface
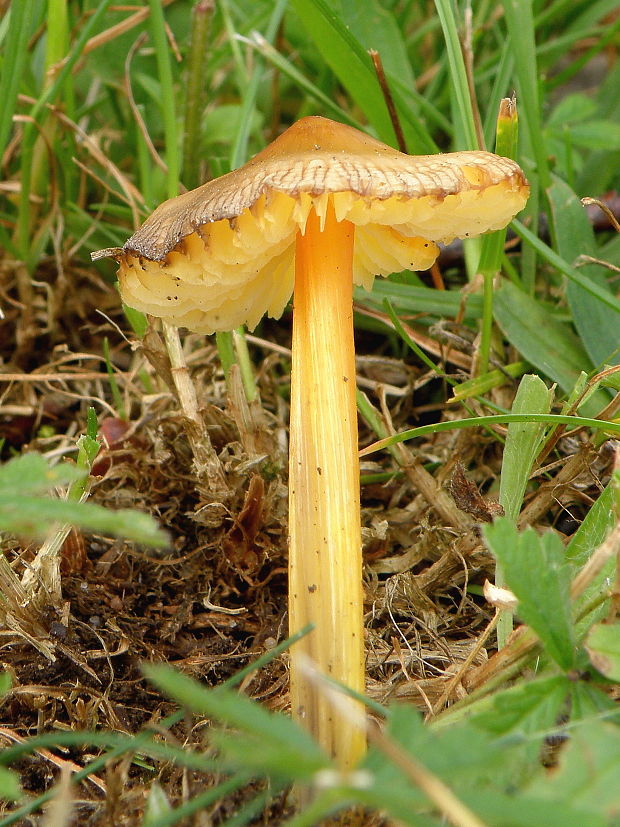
column 223, row 254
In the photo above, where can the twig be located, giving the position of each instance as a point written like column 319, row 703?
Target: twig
column 207, row 461
column 389, row 100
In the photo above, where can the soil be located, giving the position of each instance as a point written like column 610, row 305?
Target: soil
column 215, row 598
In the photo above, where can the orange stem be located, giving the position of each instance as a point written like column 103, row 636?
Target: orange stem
column 325, row 560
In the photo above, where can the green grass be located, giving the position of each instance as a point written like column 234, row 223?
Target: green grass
column 543, row 314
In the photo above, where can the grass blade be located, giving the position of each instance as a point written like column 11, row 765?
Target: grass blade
column 495, row 419
column 522, row 444
column 351, row 64
column 598, row 325
column 458, row 74
column 21, row 24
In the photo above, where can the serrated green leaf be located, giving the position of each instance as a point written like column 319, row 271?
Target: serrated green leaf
column 33, row 516
column 588, row 701
column 597, row 323
column 519, row 810
column 460, row 752
column 588, row 772
column 602, row 644
column 523, row 709
column 536, row 571
column 522, row 443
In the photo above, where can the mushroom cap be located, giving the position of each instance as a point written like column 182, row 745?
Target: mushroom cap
column 223, row 254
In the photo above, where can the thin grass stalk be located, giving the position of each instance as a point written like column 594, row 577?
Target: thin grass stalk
column 522, row 31
column 244, row 361
column 162, row 53
column 608, row 426
column 207, row 461
column 56, row 43
column 226, row 352
column 238, row 156
column 145, row 163
column 21, row 22
column 196, row 91
column 458, row 73
column 235, row 48
column 239, row 151
column 23, row 229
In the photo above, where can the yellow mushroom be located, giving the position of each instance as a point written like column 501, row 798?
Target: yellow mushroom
column 322, row 208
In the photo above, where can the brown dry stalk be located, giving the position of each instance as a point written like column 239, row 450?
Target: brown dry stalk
column 549, row 490
column 134, row 196
column 455, row 357
column 207, row 462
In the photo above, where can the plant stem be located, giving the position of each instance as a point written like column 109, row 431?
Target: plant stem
column 196, row 91
column 325, row 560
column 164, row 71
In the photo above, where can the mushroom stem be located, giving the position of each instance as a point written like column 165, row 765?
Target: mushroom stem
column 325, row 559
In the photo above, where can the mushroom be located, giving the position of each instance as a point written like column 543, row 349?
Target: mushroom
column 323, row 207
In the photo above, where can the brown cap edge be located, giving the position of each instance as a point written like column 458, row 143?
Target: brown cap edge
column 109, row 252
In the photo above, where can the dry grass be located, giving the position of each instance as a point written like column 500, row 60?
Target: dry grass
column 216, row 598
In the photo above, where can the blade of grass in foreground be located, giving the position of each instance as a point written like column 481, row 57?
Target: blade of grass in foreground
column 125, row 744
